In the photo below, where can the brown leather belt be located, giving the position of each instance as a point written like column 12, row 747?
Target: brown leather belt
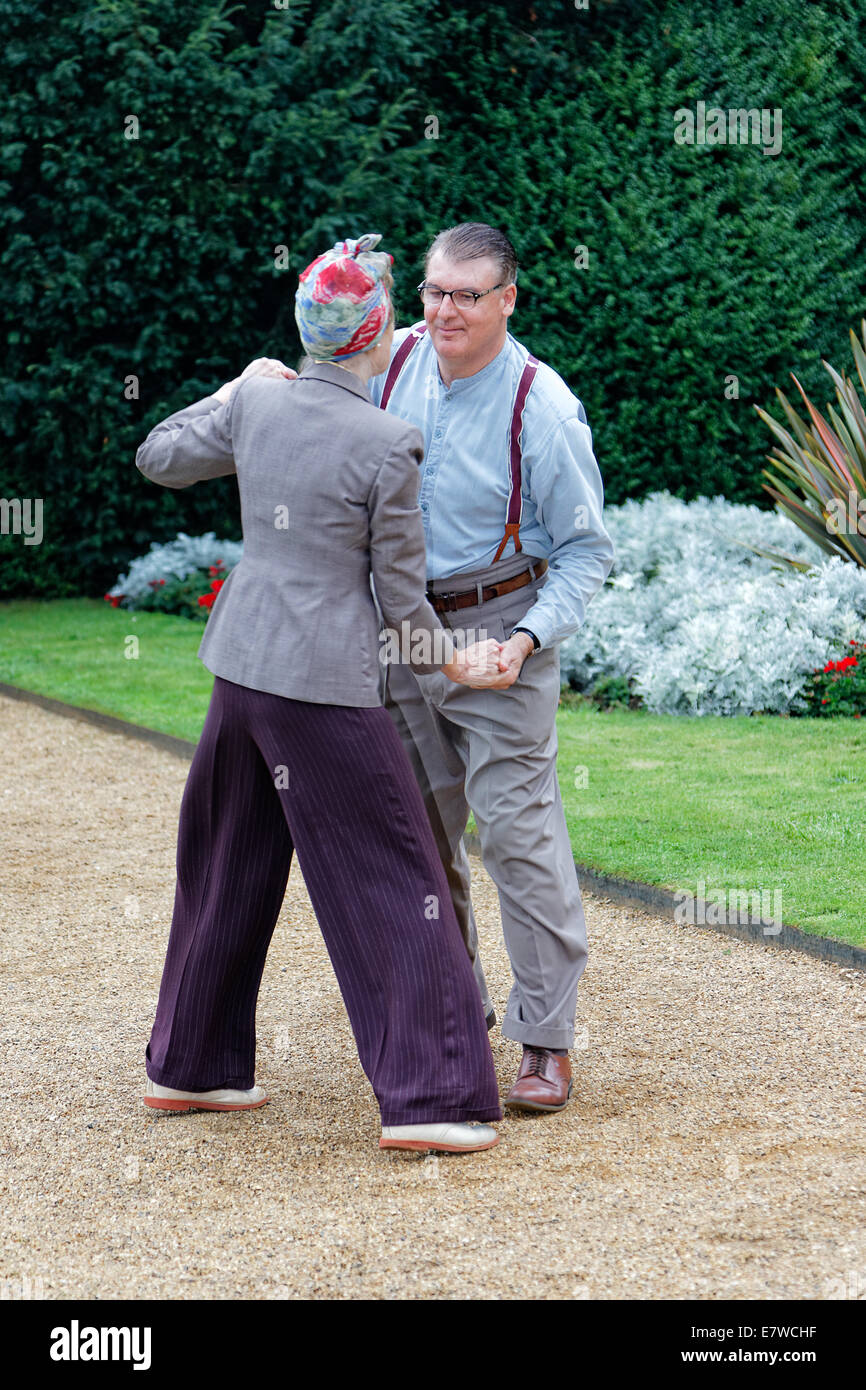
column 449, row 601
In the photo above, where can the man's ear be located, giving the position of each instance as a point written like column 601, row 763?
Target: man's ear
column 509, row 299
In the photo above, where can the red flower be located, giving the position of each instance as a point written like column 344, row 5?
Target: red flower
column 215, row 569
column 823, row 702
column 842, row 665
column 208, row 600
column 113, row 599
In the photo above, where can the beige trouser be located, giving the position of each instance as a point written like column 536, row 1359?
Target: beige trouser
column 494, row 752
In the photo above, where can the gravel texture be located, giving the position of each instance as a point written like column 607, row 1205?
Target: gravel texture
column 713, row 1147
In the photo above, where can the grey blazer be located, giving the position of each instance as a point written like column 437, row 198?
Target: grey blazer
column 329, row 493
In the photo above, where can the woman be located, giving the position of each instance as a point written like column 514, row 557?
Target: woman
column 297, row 752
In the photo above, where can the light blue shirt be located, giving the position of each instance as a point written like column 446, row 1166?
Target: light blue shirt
column 466, row 478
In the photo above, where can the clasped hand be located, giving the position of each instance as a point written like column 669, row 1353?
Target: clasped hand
column 490, row 665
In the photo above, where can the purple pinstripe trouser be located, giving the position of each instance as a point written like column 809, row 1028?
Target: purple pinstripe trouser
column 333, row 783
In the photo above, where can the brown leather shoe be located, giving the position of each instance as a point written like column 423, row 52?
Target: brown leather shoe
column 543, row 1082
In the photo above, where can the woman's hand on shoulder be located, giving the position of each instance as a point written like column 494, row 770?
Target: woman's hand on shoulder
column 261, row 366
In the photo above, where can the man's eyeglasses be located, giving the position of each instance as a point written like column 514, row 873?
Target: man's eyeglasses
column 463, row 299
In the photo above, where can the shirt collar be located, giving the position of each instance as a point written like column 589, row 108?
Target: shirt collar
column 338, row 376
column 493, row 369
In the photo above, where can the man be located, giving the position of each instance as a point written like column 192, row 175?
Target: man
column 511, row 498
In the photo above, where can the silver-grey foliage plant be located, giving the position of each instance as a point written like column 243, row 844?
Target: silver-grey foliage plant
column 702, row 625
column 175, row 560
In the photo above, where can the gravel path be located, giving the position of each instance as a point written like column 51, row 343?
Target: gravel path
column 713, row 1148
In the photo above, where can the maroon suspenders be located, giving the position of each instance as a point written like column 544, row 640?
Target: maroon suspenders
column 515, row 497
column 396, row 367
column 515, row 500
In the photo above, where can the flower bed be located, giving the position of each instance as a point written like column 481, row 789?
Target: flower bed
column 183, row 576
column 691, row 621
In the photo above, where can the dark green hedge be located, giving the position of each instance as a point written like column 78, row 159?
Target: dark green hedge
column 154, row 258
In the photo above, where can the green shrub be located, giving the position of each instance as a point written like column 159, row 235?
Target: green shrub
column 148, row 265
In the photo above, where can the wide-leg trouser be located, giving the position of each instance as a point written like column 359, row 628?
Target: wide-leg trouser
column 272, row 775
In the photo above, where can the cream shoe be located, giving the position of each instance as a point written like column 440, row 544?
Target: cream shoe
column 449, row 1138
column 164, row 1098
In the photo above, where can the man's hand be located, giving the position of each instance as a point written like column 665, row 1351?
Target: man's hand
column 262, row 366
column 511, row 658
column 477, row 665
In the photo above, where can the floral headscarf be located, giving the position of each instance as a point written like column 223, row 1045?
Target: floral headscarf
column 341, row 305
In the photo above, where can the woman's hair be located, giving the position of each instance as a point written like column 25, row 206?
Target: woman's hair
column 388, row 282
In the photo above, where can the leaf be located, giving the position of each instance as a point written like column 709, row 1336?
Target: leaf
column 828, row 438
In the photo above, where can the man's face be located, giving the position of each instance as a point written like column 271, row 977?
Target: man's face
column 466, row 334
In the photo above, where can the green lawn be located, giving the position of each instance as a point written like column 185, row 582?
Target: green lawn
column 757, row 803
column 73, row 650
column 760, row 804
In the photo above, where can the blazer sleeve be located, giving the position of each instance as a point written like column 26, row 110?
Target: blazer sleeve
column 192, row 444
column 398, row 559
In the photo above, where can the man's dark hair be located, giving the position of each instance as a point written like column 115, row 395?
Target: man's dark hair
column 469, row 241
